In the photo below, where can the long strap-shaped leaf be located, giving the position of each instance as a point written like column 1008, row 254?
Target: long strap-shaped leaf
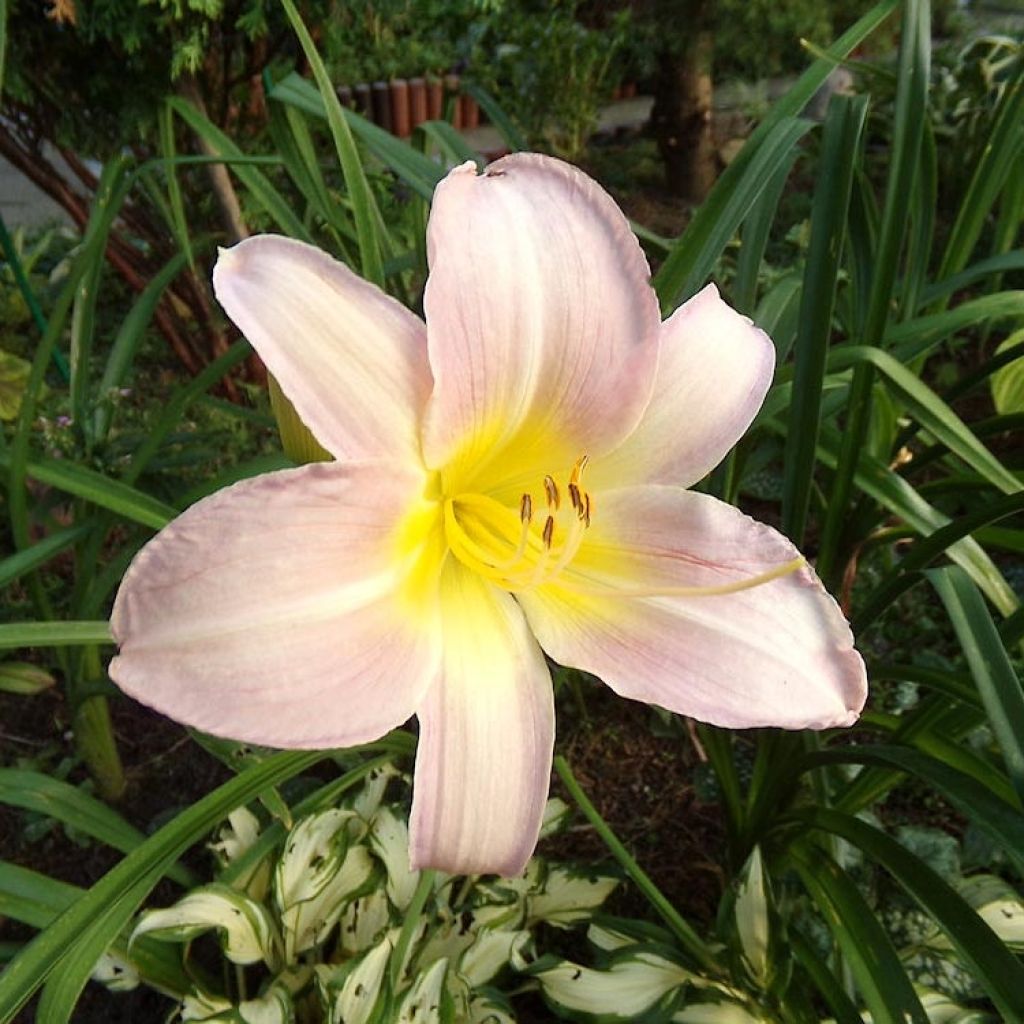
column 92, row 923
column 1000, row 689
column 839, row 149
column 364, row 206
column 875, row 964
column 53, row 634
column 1000, row 820
column 998, row 971
column 55, row 798
column 87, row 483
column 930, row 411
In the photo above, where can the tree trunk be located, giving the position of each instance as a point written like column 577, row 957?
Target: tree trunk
column 681, row 116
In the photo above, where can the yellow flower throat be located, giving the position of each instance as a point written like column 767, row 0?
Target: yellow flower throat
column 526, row 547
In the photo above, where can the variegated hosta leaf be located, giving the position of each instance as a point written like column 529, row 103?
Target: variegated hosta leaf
column 200, row 1005
column 487, row 1010
column 389, row 838
column 369, row 796
column 350, row 992
column 275, row 1007
column 502, row 903
column 233, row 840
column 422, row 1003
column 568, row 896
column 489, row 952
column 118, row 974
column 716, row 1013
column 245, row 928
column 636, row 981
column 998, row 904
column 751, row 914
column 318, row 873
column 556, row 814
column 364, row 922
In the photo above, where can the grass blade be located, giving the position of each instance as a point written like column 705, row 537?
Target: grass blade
column 989, row 960
column 875, row 964
column 364, row 205
column 53, row 634
column 990, row 665
column 840, row 146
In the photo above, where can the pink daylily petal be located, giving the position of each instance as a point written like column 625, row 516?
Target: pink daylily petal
column 352, row 360
column 778, row 654
column 714, row 370
column 483, row 765
column 542, row 326
column 269, row 612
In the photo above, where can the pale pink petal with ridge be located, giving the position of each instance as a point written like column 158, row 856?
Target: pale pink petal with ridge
column 714, row 370
column 483, row 764
column 269, row 612
column 778, row 654
column 541, row 324
column 352, row 360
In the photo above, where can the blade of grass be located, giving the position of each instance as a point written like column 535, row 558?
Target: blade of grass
column 41, row 552
column 419, row 172
column 53, row 634
column 841, row 144
column 39, row 792
column 87, row 927
column 985, row 955
column 247, row 173
column 129, row 338
column 687, row 937
column 100, row 490
column 999, row 156
column 989, row 663
column 364, row 205
column 874, row 962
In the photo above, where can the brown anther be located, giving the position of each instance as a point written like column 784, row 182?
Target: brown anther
column 526, row 508
column 551, row 490
column 586, row 509
column 549, row 531
column 574, row 497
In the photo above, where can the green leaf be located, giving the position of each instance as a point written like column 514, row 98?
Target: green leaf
column 840, row 147
column 989, row 663
column 875, row 964
column 128, row 339
column 14, row 377
column 100, row 490
column 72, row 806
column 738, row 187
column 254, row 180
column 364, row 206
column 930, row 411
column 53, row 634
column 999, row 155
column 418, row 171
column 14, row 566
column 1000, row 820
column 1008, row 382
column 995, row 967
column 69, row 947
column 733, row 196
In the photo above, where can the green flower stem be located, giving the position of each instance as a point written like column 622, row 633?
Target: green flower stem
column 688, row 938
column 412, row 919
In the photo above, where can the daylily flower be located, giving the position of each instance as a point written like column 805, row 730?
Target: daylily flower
column 508, row 482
